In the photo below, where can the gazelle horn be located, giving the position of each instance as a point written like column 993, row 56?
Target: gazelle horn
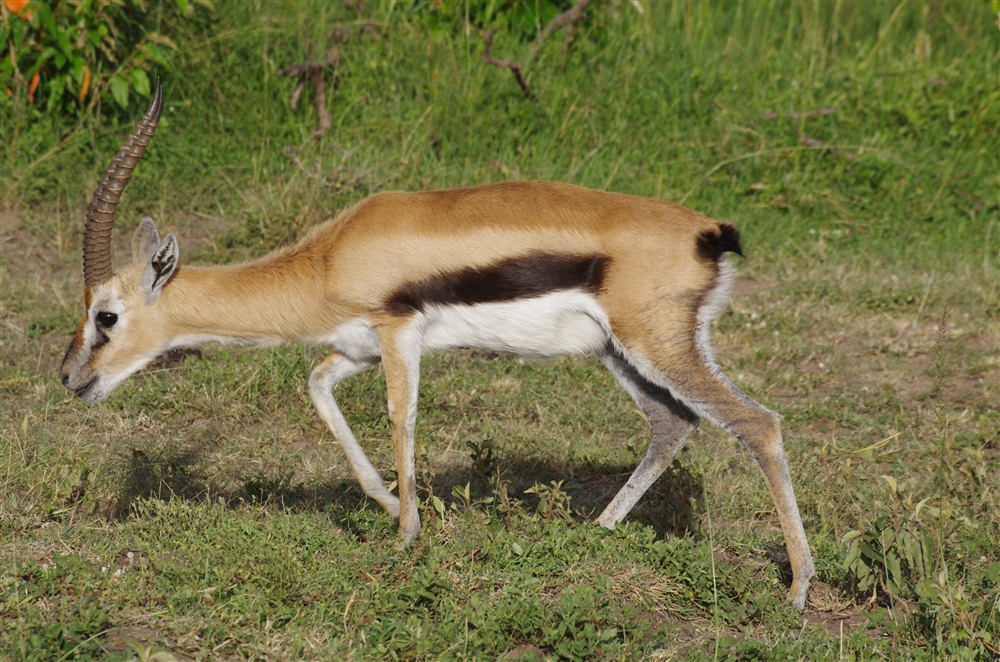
column 101, row 213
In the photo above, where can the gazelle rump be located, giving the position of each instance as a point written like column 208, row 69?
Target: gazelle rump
column 534, row 269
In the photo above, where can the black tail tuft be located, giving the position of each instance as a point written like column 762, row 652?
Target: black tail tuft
column 711, row 245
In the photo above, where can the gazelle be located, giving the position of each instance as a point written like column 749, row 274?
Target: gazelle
column 536, row 269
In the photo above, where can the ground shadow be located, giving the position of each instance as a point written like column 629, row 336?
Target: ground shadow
column 670, row 506
column 173, row 475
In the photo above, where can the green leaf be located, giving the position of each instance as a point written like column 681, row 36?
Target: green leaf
column 46, row 54
column 927, row 589
column 119, row 90
column 850, row 535
column 155, row 53
column 10, row 31
column 894, row 572
column 56, row 88
column 46, row 17
column 183, row 6
column 62, row 39
column 77, row 69
column 927, row 549
column 140, row 82
column 852, row 558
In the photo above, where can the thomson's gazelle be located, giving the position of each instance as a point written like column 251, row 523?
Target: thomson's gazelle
column 531, row 268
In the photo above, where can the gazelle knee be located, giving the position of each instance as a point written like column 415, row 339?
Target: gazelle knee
column 668, row 436
column 665, row 426
column 319, row 386
column 760, row 431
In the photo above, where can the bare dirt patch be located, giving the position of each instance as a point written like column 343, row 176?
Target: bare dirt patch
column 143, row 641
column 831, row 610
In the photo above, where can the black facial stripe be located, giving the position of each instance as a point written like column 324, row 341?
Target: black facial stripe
column 523, row 277
column 102, row 340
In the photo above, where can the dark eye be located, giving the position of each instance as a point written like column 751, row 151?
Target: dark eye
column 107, row 320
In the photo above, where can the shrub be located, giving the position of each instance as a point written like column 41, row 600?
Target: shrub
column 69, row 54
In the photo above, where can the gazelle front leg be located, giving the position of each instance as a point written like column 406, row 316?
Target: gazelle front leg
column 400, row 344
column 333, row 370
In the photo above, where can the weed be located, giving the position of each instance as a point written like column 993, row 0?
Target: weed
column 553, row 503
column 66, row 581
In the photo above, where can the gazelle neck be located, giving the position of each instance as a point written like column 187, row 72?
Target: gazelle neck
column 279, row 298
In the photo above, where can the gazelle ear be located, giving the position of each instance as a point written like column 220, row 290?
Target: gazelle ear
column 145, row 240
column 162, row 265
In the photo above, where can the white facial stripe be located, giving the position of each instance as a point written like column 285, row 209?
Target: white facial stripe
column 90, row 334
column 105, row 305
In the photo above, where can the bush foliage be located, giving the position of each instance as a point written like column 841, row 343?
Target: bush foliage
column 68, row 57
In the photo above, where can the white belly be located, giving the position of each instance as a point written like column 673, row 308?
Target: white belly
column 568, row 322
column 355, row 340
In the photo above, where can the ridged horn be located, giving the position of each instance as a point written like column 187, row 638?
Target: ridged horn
column 101, row 213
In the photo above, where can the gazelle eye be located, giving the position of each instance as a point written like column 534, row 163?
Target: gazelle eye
column 107, row 320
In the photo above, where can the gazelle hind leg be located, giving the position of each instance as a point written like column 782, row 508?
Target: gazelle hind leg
column 333, row 370
column 701, row 386
column 670, row 425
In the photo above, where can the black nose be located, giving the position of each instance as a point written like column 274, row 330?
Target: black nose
column 65, row 380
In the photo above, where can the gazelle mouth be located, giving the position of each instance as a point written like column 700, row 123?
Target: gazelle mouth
column 82, row 391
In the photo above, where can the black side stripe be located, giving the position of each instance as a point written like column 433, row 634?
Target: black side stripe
column 522, row 277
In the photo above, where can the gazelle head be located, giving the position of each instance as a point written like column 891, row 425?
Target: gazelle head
column 119, row 333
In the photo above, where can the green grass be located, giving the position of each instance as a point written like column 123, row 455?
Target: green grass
column 205, row 510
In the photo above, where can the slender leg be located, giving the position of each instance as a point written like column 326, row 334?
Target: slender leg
column 706, row 391
column 401, row 346
column 333, row 370
column 670, row 425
